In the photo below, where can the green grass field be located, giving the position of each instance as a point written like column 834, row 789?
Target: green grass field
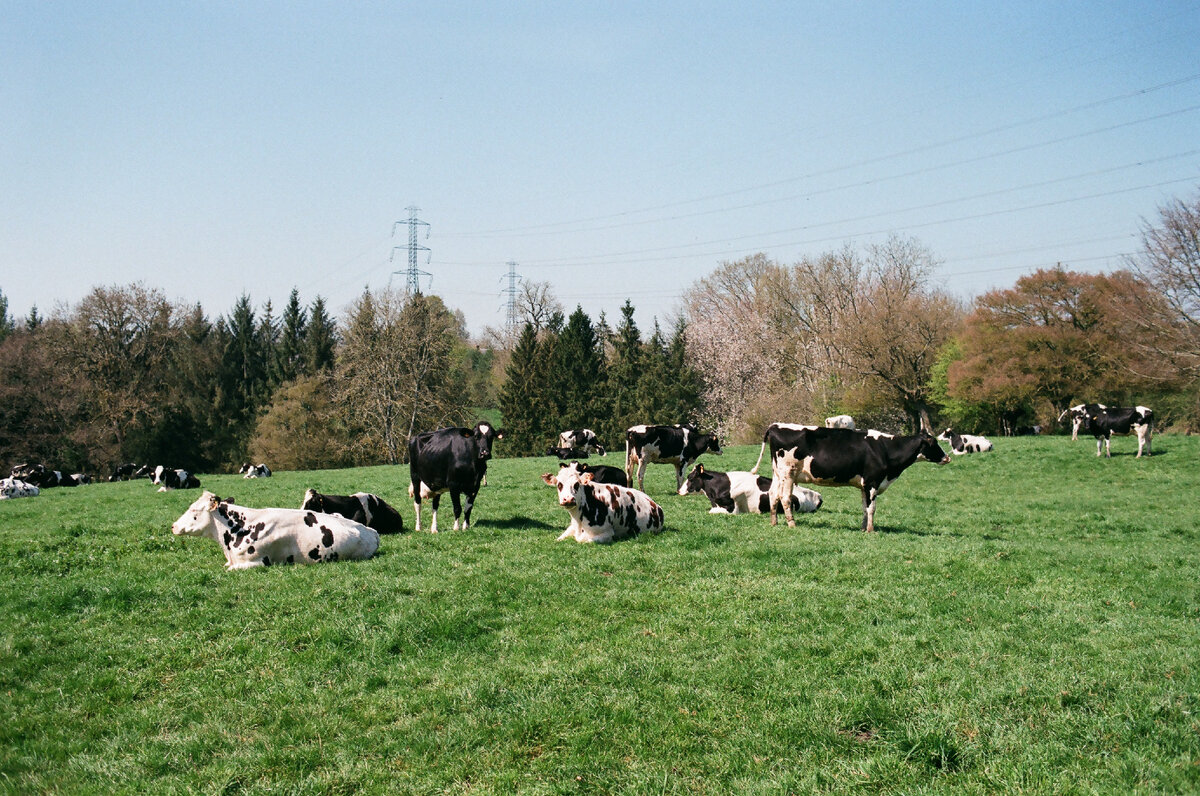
column 1026, row 621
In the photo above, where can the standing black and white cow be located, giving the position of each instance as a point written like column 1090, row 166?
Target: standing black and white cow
column 123, row 472
column 868, row 460
column 1079, row 415
column 742, row 493
column 362, row 507
column 582, row 438
column 450, row 460
column 965, row 443
column 249, row 470
column 1122, row 420
column 602, row 513
column 677, row 445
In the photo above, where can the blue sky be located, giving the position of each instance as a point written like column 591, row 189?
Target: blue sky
column 614, row 150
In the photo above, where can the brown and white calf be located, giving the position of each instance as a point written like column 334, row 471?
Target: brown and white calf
column 602, row 512
column 262, row 537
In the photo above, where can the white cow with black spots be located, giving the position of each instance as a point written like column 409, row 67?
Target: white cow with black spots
column 262, row 537
column 16, row 488
column 602, row 513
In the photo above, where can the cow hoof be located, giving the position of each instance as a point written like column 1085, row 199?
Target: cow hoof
column 791, row 523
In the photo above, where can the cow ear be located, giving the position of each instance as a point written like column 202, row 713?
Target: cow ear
column 700, row 469
column 562, row 465
column 466, row 432
column 586, row 478
column 213, row 503
column 549, row 478
column 500, row 433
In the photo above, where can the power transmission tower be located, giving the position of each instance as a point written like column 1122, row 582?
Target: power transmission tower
column 511, row 291
column 413, row 274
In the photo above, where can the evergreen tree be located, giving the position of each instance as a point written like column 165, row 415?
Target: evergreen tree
column 33, row 321
column 290, row 358
column 242, row 377
column 579, row 368
column 320, row 339
column 624, row 379
column 654, row 392
column 6, row 321
column 268, row 342
column 683, row 401
column 519, row 397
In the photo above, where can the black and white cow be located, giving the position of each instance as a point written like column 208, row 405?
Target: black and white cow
column 738, row 492
column 249, row 470
column 145, row 471
column 839, row 421
column 123, row 472
column 36, row 474
column 677, row 445
column 262, row 537
column 450, row 460
column 362, row 507
column 582, row 438
column 601, row 473
column 965, row 443
column 567, row 453
column 1122, row 420
column 868, row 460
column 175, row 479
column 1079, row 415
column 602, row 512
column 11, row 488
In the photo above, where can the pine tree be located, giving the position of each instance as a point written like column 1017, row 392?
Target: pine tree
column 519, row 396
column 579, row 367
column 320, row 339
column 290, row 358
column 268, row 343
column 6, row 321
column 624, row 379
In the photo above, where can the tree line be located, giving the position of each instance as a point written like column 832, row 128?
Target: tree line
column 126, row 375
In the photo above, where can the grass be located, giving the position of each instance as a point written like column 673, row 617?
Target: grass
column 1026, row 621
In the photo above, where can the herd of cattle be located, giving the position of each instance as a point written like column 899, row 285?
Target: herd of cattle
column 600, row 500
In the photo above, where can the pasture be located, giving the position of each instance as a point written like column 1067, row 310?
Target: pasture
column 1026, row 620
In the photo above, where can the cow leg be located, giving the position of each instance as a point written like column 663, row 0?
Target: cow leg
column 868, row 523
column 467, row 510
column 456, row 500
column 1099, row 446
column 785, row 488
column 641, row 473
column 433, row 505
column 1108, row 447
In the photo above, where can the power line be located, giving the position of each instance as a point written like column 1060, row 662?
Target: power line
column 413, row 274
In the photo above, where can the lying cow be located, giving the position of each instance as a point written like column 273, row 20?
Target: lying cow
column 37, row 475
column 175, row 479
column 123, row 472
column 11, row 488
column 839, row 421
column 249, row 470
column 362, row 507
column 567, row 453
column 965, row 443
column 601, row 473
column 1122, row 420
column 743, row 493
column 602, row 512
column 583, row 439
column 677, row 445
column 262, row 537
column 870, row 461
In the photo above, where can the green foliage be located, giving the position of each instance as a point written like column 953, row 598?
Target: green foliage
column 519, row 397
column 6, row 322
column 980, row 643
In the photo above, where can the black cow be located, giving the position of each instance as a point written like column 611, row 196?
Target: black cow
column 869, row 460
column 1122, row 420
column 567, row 453
column 362, row 507
column 601, row 473
column 677, row 445
column 123, row 472
column 582, row 438
column 450, row 460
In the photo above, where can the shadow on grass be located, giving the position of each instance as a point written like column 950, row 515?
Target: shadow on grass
column 510, row 523
column 988, row 537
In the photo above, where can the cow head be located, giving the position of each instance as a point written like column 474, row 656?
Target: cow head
column 710, row 443
column 695, row 481
column 930, row 451
column 198, row 517
column 484, row 435
column 569, row 481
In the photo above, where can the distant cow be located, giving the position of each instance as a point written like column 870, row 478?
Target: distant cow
column 567, row 453
column 601, row 473
column 123, row 472
column 362, row 507
column 145, row 471
column 839, row 421
column 602, row 512
column 869, row 460
column 582, row 438
column 37, row 474
column 249, row 470
column 738, row 492
column 677, row 445
column 1079, row 415
column 1122, row 420
column 262, row 537
column 965, row 443
column 175, row 479
column 450, row 460
column 11, row 488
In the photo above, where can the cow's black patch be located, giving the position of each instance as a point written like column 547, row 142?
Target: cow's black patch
column 291, row 560
column 315, row 554
column 326, row 536
column 594, row 508
column 310, row 519
column 250, row 550
column 266, row 561
column 260, row 526
column 227, row 538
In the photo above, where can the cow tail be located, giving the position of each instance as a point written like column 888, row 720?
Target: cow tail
column 760, row 455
